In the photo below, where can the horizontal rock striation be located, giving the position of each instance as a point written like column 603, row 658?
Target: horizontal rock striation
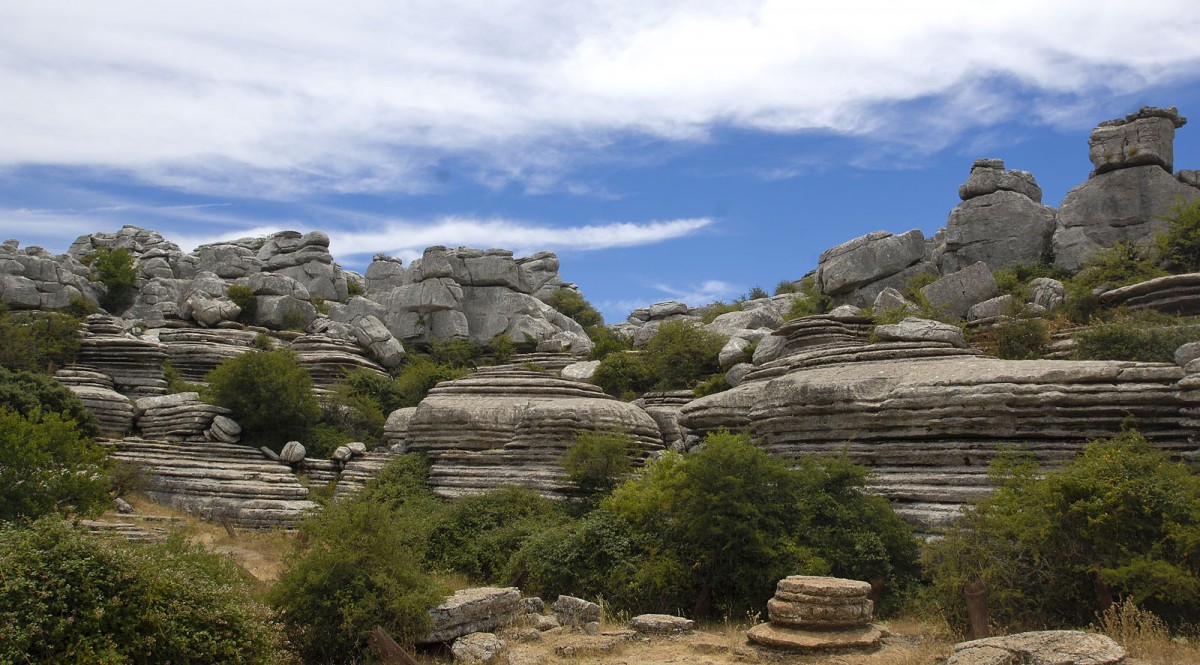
column 328, row 359
column 194, row 352
column 477, row 610
column 214, row 480
column 1174, row 294
column 135, row 365
column 502, row 427
column 927, row 417
column 178, row 417
column 95, row 390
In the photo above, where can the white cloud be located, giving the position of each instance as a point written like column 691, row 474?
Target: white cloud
column 700, row 294
column 279, row 98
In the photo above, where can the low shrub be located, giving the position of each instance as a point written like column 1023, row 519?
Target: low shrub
column 37, row 341
column 458, row 352
column 27, row 392
column 711, row 386
column 1014, row 280
column 418, row 376
column 115, row 270
column 1179, row 247
column 1148, row 337
column 72, row 597
column 624, row 375
column 270, row 396
column 243, row 296
column 813, row 301
column 47, row 467
column 681, row 354
column 712, row 310
column 1109, row 268
column 598, row 460
column 606, row 342
column 1017, row 339
column 475, row 536
column 574, row 305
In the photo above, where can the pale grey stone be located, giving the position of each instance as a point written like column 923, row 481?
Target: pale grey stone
column 733, row 323
column 341, row 454
column 293, row 452
column 992, row 307
column 1001, row 229
column 479, row 649
column 769, row 349
column 737, row 374
column 357, row 448
column 845, row 312
column 661, row 624
column 580, row 371
column 1048, row 293
column 890, row 298
column 1187, row 353
column 572, row 611
column 476, row 610
column 913, row 329
column 663, row 310
column 733, row 352
column 1145, row 138
column 1050, row 647
column 988, row 176
column 279, row 312
column 868, row 259
column 956, row 293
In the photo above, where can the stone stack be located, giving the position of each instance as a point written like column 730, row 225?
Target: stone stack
column 328, row 359
column 359, row 471
column 194, row 352
column 223, row 429
column 178, row 417
column 214, row 480
column 664, row 407
column 818, row 613
column 1175, row 294
column 502, row 427
column 95, row 390
column 135, row 365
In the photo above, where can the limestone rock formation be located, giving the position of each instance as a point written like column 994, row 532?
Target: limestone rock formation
column 1049, row 647
column 988, row 176
column 1174, row 294
column 477, row 610
column 194, row 352
column 1000, row 222
column 505, row 426
column 328, row 359
column 479, row 649
column 1144, row 138
column 95, row 390
column 661, row 624
column 178, row 417
column 957, row 292
column 664, row 407
column 572, row 611
column 135, row 365
column 809, row 613
column 857, row 271
column 34, row 279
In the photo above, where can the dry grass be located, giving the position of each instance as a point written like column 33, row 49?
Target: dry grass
column 1145, row 636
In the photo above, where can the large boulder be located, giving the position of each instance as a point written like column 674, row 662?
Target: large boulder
column 878, row 259
column 956, row 293
column 1048, row 647
column 988, row 176
column 1144, row 138
column 1002, row 228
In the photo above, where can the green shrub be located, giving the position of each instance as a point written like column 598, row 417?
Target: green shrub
column 606, row 342
column 814, row 302
column 574, row 305
column 712, row 310
column 1120, row 521
column 757, row 292
column 502, row 348
column 80, row 307
column 320, row 304
column 786, row 286
column 26, row 392
column 682, row 353
column 37, row 341
column 1014, row 280
column 269, row 393
column 114, row 269
column 1120, row 265
column 1018, row 339
column 598, row 460
column 624, row 375
column 243, row 296
column 711, row 386
column 354, row 289
column 418, row 377
column 1147, row 337
column 458, row 352
column 356, row 410
column 71, row 597
column 47, row 467
column 475, row 536
column 358, row 565
column 1179, row 247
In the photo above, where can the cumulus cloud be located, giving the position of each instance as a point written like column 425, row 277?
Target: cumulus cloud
column 280, row 99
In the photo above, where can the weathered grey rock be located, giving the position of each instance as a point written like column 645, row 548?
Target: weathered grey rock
column 769, row 349
column 275, row 284
column 1048, row 293
column 1145, row 138
column 732, row 323
column 479, row 649
column 95, row 389
column 663, row 310
column 328, row 359
column 781, row 636
column 988, row 176
column 845, row 312
column 736, row 374
column 1050, row 647
column 1187, row 353
column 194, row 352
column 661, row 624
column 955, row 294
column 1002, row 305
column 208, row 311
column 341, row 454
column 870, row 258
column 372, row 335
column 890, row 298
column 572, row 611
column 509, row 426
column 533, row 605
column 176, row 417
column 1173, row 294
column 477, row 610
column 357, row 448
column 818, row 613
column 283, row 312
column 1189, row 177
column 913, row 329
column 224, row 429
column 1001, row 229
column 580, row 371
column 227, row 260
column 733, row 352
column 1126, row 205
column 386, row 272
column 135, row 365
column 395, row 429
column 293, row 452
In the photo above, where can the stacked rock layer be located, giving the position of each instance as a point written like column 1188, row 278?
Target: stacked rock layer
column 809, row 613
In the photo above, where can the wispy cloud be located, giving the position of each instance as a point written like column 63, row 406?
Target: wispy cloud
column 279, row 100
column 700, row 294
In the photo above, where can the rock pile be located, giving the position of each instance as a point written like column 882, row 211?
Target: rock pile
column 502, row 427
column 214, row 480
column 179, row 417
column 478, row 610
column 35, row 279
column 95, row 390
column 135, row 365
column 664, row 407
column 818, row 613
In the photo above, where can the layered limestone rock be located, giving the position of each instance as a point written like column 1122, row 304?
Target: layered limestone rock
column 95, row 390
column 810, row 613
column 328, row 359
column 177, row 417
column 194, row 352
column 1174, row 294
column 1051, row 647
column 664, row 407
column 927, row 417
column 957, row 292
column 135, row 365
column 1144, row 138
column 856, row 272
column 503, row 426
column 477, row 610
column 359, row 471
column 1000, row 222
column 215, row 480
column 33, row 278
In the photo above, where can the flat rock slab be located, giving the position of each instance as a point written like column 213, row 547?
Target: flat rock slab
column 827, row 587
column 799, row 639
column 661, row 624
column 1049, row 647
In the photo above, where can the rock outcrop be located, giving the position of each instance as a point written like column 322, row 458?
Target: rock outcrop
column 134, row 364
column 178, row 417
column 1174, row 294
column 1049, row 647
column 477, row 610
column 856, row 272
column 818, row 613
column 504, row 426
column 95, row 390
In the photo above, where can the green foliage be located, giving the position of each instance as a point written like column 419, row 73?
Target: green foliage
column 599, row 460
column 80, row 307
column 358, row 565
column 27, row 392
column 606, row 342
column 243, row 296
column 786, row 286
column 757, row 292
column 47, row 467
column 713, row 531
column 574, row 305
column 458, row 352
column 1014, row 280
column 114, row 269
column 476, row 535
column 502, row 348
column 813, row 302
column 1144, row 336
column 37, row 341
column 1122, row 519
column 263, row 342
column 682, row 353
column 176, row 382
column 624, row 375
column 269, row 393
column 354, row 289
column 711, row 386
column 712, row 310
column 1108, row 268
column 419, row 376
column 72, row 597
column 355, row 410
column 1179, row 247
column 1017, row 339
column 320, row 304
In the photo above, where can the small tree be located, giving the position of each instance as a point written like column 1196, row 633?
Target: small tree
column 574, row 305
column 681, row 354
column 47, row 467
column 599, row 460
column 269, row 393
column 27, row 392
column 37, row 341
column 115, row 270
column 1179, row 247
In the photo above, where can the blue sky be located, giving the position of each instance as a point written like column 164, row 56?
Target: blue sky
column 664, row 149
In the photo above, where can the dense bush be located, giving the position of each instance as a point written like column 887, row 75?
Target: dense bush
column 25, row 392
column 574, row 305
column 37, row 341
column 475, row 536
column 1121, row 521
column 599, row 460
column 115, row 270
column 46, row 466
column 624, row 375
column 1014, row 280
column 458, row 352
column 713, row 531
column 813, row 301
column 712, row 310
column 358, row 565
column 1179, row 247
column 606, row 342
column 1017, row 339
column 1145, row 336
column 1109, row 268
column 71, row 597
column 681, row 354
column 418, row 377
column 243, row 296
column 269, row 393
